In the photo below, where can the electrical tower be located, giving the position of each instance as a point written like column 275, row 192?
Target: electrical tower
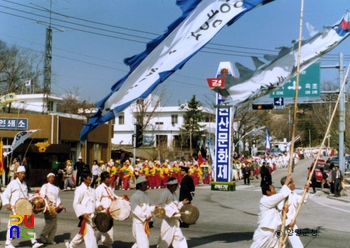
column 47, row 65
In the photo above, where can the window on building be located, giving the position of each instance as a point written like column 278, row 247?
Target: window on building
column 173, row 119
column 121, row 119
column 159, row 123
column 50, row 106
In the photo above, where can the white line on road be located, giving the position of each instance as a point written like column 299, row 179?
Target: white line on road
column 333, row 207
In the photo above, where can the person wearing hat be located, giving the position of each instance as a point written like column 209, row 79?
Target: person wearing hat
column 79, row 167
column 68, row 180
column 165, row 174
column 104, row 198
column 142, row 209
column 127, row 174
column 16, row 189
column 84, row 207
column 187, row 186
column 158, row 175
column 51, row 193
column 196, row 174
column 186, row 190
column 170, row 232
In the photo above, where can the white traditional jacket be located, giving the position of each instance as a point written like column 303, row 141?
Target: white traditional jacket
column 84, row 200
column 14, row 191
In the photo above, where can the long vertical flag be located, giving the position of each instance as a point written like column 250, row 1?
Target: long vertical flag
column 19, row 138
column 268, row 140
column 201, row 20
column 1, row 158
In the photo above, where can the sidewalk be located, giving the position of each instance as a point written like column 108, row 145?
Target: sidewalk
column 344, row 198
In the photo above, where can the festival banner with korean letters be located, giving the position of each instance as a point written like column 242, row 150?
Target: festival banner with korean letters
column 222, row 142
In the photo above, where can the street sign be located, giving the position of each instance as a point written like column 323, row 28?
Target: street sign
column 216, row 82
column 14, row 123
column 278, row 103
column 309, row 84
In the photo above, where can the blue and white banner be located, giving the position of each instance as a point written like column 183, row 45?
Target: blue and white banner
column 222, row 142
column 267, row 77
column 200, row 22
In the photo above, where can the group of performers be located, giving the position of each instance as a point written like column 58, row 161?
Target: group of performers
column 89, row 202
column 157, row 175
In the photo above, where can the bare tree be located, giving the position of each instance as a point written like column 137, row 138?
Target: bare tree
column 145, row 109
column 17, row 66
column 72, row 103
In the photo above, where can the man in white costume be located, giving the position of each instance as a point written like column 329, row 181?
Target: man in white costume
column 142, row 208
column 15, row 190
column 84, row 207
column 293, row 202
column 170, row 232
column 285, row 160
column 269, row 217
column 51, row 193
column 104, row 198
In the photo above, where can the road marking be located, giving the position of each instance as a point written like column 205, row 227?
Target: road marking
column 333, row 207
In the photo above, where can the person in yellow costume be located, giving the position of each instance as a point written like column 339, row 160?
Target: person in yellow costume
column 112, row 170
column 166, row 174
column 127, row 174
column 158, row 175
column 145, row 170
column 196, row 174
column 152, row 173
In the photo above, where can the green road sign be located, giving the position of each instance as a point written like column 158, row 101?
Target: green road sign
column 309, row 84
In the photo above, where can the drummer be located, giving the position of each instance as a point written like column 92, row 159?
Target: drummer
column 104, row 198
column 84, row 208
column 142, row 209
column 15, row 190
column 170, row 232
column 51, row 193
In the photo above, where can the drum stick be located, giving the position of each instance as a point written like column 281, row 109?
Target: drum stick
column 114, row 210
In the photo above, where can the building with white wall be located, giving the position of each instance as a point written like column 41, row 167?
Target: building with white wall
column 35, row 102
column 163, row 127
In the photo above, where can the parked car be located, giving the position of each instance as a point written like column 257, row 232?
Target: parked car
column 320, row 164
column 335, row 161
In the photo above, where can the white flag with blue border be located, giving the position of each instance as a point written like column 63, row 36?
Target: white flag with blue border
column 201, row 20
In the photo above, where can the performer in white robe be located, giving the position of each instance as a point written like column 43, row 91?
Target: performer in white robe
column 15, row 190
column 293, row 202
column 104, row 198
column 141, row 207
column 269, row 217
column 170, row 232
column 51, row 193
column 84, row 207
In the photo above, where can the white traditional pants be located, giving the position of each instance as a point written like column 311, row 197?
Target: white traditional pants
column 89, row 238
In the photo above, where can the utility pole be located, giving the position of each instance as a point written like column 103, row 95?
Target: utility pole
column 341, row 112
column 47, row 65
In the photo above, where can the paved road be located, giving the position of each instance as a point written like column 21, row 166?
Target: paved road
column 227, row 219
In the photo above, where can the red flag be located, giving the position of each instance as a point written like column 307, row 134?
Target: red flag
column 1, row 159
column 200, row 159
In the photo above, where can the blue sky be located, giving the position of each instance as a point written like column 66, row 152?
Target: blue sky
column 93, row 60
